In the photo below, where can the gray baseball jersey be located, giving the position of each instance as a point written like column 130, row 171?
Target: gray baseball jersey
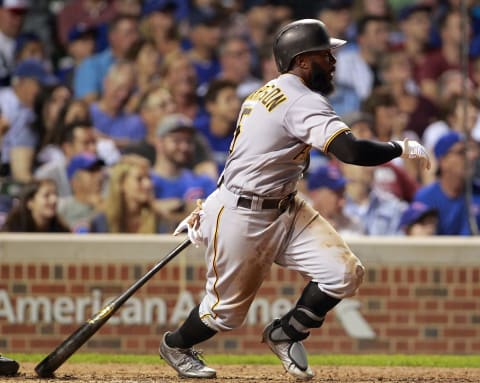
column 277, row 126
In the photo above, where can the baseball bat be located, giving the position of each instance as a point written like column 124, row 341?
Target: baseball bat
column 56, row 358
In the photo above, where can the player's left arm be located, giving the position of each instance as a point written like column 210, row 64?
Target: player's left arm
column 347, row 148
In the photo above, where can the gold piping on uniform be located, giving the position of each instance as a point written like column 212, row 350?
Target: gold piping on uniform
column 329, row 141
column 214, row 266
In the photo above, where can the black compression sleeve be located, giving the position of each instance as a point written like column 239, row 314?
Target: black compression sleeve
column 347, row 148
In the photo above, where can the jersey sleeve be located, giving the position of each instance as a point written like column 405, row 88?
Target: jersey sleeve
column 312, row 120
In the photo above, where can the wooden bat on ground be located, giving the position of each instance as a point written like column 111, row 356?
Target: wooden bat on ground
column 55, row 359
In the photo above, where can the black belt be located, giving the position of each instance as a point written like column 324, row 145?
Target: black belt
column 280, row 204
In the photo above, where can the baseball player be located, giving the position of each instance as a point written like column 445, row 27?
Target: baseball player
column 254, row 218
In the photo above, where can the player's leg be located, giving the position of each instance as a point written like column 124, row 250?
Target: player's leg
column 241, row 248
column 321, row 255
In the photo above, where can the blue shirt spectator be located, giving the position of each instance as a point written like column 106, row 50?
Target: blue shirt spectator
column 447, row 193
column 187, row 186
column 122, row 126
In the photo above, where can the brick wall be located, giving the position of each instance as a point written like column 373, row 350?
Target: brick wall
column 420, row 297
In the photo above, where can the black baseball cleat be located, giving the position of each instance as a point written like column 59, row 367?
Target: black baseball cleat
column 291, row 353
column 8, row 366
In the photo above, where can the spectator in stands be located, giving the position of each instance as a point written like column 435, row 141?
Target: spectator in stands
column 326, row 191
column 419, row 220
column 337, row 16
column 222, row 104
column 90, row 74
column 447, row 57
column 36, row 210
column 156, row 104
column 358, row 68
column 80, row 45
column 73, row 110
column 16, row 105
column 159, row 25
column 108, row 115
column 176, row 187
column 378, row 211
column 128, row 7
column 12, row 16
column 146, row 62
column 29, row 45
column 92, row 13
column 204, row 36
column 77, row 137
column 179, row 76
column 47, row 107
column 415, row 22
column 448, row 193
column 85, row 173
column 460, row 114
column 235, row 62
column 396, row 73
column 128, row 202
column 268, row 67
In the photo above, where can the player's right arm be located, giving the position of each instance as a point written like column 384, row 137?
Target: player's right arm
column 347, row 148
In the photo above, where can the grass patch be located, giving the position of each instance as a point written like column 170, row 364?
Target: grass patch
column 315, row 360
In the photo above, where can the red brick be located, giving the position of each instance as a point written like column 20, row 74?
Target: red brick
column 378, row 291
column 460, row 292
column 85, row 272
column 175, row 273
column 72, row 272
column 45, row 344
column 97, row 272
column 402, row 347
column 44, row 272
column 476, row 292
column 460, row 305
column 459, row 332
column 450, row 276
column 431, row 318
column 78, row 289
column 459, row 347
column 403, row 291
column 476, row 275
column 111, row 272
column 402, row 305
column 401, row 332
column 431, row 305
column 31, row 271
column 462, row 276
column 4, row 272
column 132, row 344
column 423, row 275
column 411, row 276
column 397, row 276
column 124, row 272
column 460, row 319
column 431, row 347
column 384, row 275
column 18, row 272
column 18, row 344
column 50, row 288
column 18, row 329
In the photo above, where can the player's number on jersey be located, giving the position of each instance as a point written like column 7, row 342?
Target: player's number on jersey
column 245, row 112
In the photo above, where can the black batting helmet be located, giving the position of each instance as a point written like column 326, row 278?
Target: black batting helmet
column 307, row 35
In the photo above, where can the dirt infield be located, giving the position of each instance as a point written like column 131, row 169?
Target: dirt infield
column 113, row 373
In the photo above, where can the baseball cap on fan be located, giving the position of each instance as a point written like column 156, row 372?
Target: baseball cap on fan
column 17, row 5
column 32, row 68
column 83, row 161
column 415, row 213
column 174, row 122
column 326, row 177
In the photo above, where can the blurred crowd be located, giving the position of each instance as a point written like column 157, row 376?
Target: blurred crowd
column 116, row 115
